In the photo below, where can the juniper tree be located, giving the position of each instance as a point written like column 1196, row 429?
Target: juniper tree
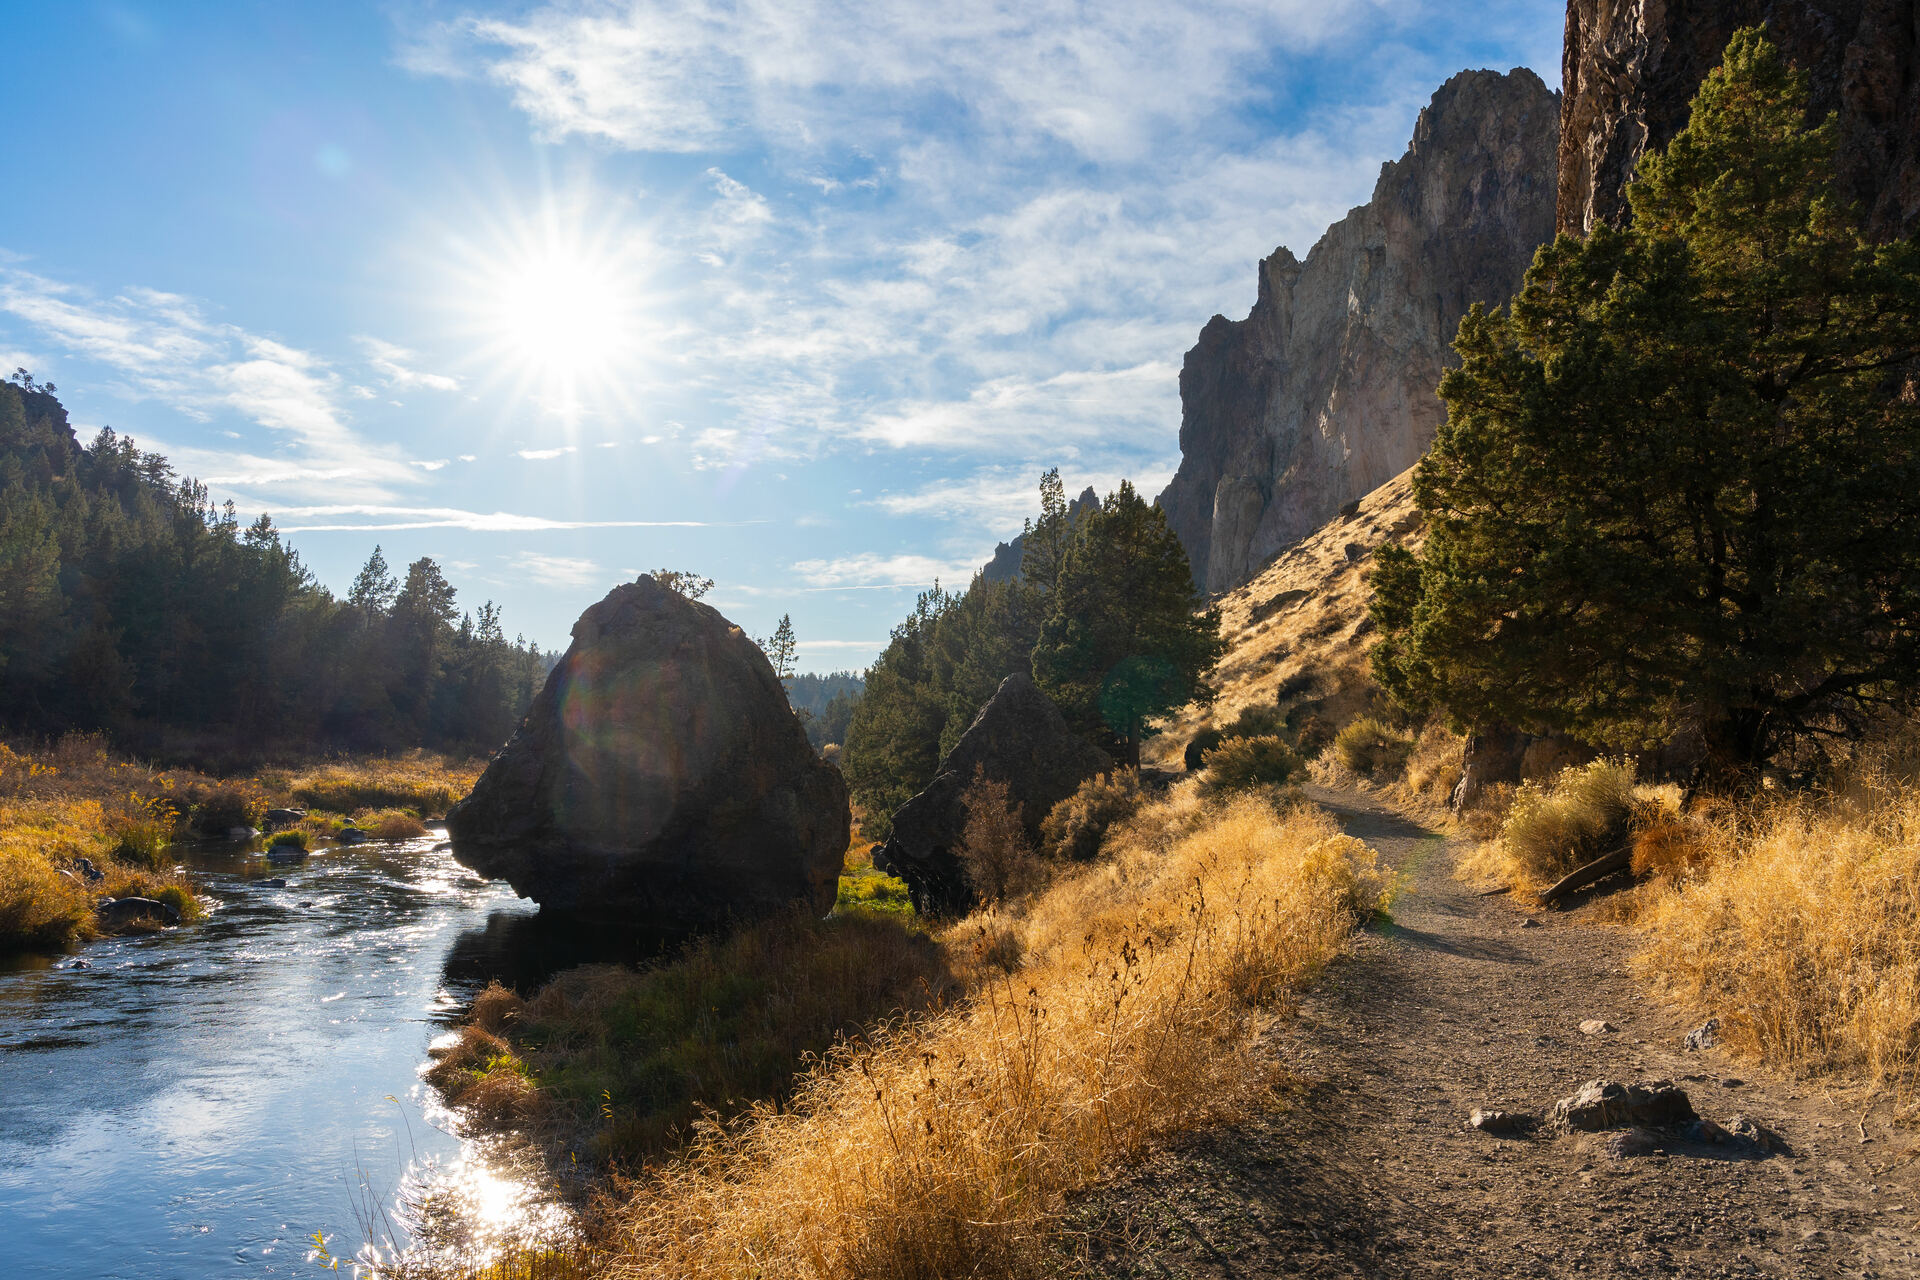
column 1126, row 638
column 1679, row 483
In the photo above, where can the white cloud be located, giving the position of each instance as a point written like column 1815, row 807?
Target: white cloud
column 564, row 571
column 387, row 517
column 869, row 570
column 689, row 75
column 434, row 465
column 998, row 499
column 162, row 347
column 542, row 455
column 394, row 363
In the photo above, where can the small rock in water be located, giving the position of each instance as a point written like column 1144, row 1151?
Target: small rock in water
column 1501, row 1124
column 1704, row 1036
column 74, row 964
column 1596, row 1026
column 1635, row 1142
column 352, row 835
column 241, row 833
column 276, row 882
column 115, row 912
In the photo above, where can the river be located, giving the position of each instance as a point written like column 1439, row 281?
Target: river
column 200, row 1102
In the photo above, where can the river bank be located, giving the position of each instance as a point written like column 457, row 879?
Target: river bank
column 81, row 826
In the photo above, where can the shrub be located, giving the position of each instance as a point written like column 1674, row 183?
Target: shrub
column 636, row 1056
column 1242, row 764
column 1075, row 827
column 141, row 833
column 224, row 805
column 1582, row 814
column 40, row 909
column 295, row 838
column 1436, row 762
column 391, row 825
column 999, row 860
column 1371, row 748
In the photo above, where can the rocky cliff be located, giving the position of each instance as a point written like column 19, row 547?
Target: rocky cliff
column 1326, row 390
column 1632, row 66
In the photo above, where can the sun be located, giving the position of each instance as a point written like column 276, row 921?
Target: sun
column 561, row 313
column 553, row 305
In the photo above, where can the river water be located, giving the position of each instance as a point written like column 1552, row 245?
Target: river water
column 199, row 1102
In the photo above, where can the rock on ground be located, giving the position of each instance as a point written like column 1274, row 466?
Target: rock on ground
column 660, row 779
column 1018, row 738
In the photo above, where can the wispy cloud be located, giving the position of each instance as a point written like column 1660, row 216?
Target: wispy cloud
column 564, row 571
column 871, row 571
column 395, row 364
column 377, row 517
column 542, row 455
column 161, row 346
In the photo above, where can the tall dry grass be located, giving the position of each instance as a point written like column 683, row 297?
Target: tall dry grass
column 419, row 781
column 1797, row 923
column 1553, row 826
column 944, row 1146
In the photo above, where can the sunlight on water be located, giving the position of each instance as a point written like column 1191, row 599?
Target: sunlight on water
column 244, row 1093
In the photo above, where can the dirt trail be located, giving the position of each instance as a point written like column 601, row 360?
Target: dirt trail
column 1368, row 1168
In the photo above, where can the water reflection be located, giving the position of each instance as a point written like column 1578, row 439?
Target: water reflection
column 200, row 1101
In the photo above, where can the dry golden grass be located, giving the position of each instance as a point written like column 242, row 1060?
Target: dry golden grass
column 1797, row 922
column 75, row 799
column 1304, row 615
column 424, row 783
column 1555, row 825
column 1435, row 764
column 943, row 1146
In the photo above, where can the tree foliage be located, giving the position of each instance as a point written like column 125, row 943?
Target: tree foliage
column 129, row 602
column 1127, row 638
column 1139, row 649
column 1680, row 483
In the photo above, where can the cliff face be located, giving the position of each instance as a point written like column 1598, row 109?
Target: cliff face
column 1632, row 67
column 1327, row 389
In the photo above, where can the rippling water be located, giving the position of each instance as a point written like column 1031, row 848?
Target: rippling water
column 199, row 1102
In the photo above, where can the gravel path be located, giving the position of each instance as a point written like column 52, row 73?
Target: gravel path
column 1367, row 1168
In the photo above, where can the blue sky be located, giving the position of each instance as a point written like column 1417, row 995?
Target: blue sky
column 799, row 294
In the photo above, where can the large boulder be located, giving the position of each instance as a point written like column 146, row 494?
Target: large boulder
column 660, row 779
column 1018, row 738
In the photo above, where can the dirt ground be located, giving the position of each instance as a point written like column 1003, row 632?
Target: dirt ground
column 1367, row 1167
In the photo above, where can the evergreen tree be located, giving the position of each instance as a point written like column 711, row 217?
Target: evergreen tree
column 373, row 590
column 1680, row 482
column 1126, row 637
column 781, row 648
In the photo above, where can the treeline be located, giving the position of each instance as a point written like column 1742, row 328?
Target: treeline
column 825, row 703
column 1103, row 616
column 130, row 603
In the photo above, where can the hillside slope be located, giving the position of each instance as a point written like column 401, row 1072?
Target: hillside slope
column 1301, row 618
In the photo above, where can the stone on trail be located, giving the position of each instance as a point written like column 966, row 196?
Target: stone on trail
column 1751, row 1131
column 1596, row 1026
column 1704, row 1036
column 1018, row 738
column 1606, row 1104
column 1631, row 1144
column 1501, row 1124
column 660, row 779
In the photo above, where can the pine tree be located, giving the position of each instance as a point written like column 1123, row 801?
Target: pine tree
column 1680, row 483
column 373, row 590
column 1126, row 638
